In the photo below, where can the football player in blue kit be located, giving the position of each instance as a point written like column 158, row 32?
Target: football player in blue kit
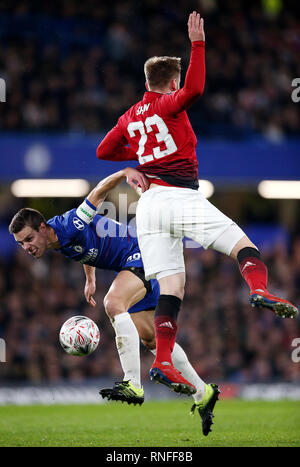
column 99, row 242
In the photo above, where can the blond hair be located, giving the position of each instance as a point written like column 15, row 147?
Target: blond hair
column 159, row 71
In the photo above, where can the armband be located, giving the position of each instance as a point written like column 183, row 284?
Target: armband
column 86, row 211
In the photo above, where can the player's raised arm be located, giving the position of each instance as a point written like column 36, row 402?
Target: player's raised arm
column 195, row 76
column 88, row 209
column 132, row 177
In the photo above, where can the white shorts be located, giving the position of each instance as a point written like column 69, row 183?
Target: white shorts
column 165, row 215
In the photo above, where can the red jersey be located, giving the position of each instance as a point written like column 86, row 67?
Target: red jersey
column 158, row 131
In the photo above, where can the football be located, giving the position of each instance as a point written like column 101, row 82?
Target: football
column 79, row 336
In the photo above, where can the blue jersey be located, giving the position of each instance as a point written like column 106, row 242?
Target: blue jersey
column 103, row 243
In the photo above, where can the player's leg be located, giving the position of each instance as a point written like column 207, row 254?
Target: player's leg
column 212, row 229
column 166, row 314
column 144, row 322
column 254, row 271
column 125, row 291
column 163, row 369
column 206, row 395
column 162, row 255
column 166, row 327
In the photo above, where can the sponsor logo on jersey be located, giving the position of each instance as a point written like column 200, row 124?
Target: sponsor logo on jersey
column 91, row 256
column 78, row 248
column 78, row 223
column 142, row 108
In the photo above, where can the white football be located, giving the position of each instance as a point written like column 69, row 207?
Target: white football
column 79, row 336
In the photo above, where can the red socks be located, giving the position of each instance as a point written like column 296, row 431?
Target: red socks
column 165, row 334
column 165, row 324
column 253, row 270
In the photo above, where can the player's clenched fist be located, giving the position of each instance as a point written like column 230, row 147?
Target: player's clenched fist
column 196, row 27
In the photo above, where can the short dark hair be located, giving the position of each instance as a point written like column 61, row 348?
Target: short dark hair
column 26, row 216
column 159, row 71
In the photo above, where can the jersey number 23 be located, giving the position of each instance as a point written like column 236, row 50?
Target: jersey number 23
column 163, row 135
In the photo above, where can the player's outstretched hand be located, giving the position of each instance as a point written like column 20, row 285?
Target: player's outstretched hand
column 196, row 27
column 135, row 179
column 89, row 290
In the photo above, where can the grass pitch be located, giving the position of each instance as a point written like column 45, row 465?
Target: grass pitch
column 155, row 424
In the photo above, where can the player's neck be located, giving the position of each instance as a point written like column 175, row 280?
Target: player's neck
column 52, row 239
column 160, row 91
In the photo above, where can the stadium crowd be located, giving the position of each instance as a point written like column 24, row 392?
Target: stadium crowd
column 225, row 339
column 75, row 66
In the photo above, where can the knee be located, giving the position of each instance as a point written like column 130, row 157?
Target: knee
column 113, row 306
column 179, row 293
column 147, row 336
column 173, row 285
column 174, row 291
column 149, row 342
column 243, row 244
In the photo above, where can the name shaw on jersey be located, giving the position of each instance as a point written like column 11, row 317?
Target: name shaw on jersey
column 143, row 108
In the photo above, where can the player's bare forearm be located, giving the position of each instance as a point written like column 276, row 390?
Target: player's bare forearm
column 99, row 193
column 90, row 273
column 132, row 177
column 90, row 284
column 88, row 208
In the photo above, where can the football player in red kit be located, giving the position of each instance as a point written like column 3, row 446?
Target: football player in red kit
column 160, row 137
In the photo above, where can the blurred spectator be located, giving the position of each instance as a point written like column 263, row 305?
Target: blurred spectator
column 224, row 338
column 76, row 66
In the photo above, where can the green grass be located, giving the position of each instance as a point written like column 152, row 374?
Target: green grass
column 160, row 424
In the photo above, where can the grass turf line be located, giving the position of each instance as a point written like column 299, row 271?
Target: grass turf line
column 155, row 424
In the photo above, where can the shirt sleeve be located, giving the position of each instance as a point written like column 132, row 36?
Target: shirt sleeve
column 114, row 146
column 194, row 83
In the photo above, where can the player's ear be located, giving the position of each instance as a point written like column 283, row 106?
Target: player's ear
column 42, row 227
column 174, row 85
column 146, row 85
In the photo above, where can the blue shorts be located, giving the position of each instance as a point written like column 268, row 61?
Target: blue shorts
column 150, row 300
